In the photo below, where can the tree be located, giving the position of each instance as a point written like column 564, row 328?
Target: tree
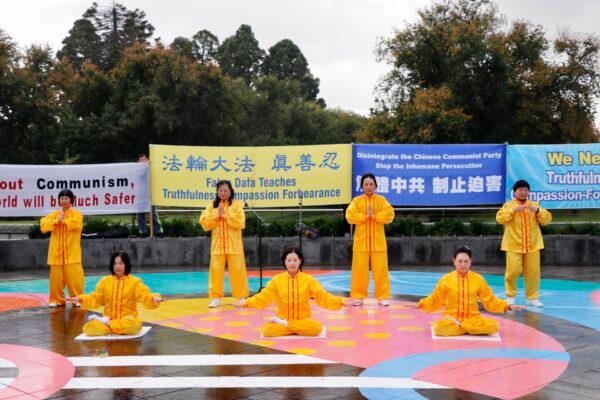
column 240, row 56
column 183, row 46
column 114, row 27
column 503, row 82
column 206, row 46
column 29, row 107
column 83, row 45
column 286, row 61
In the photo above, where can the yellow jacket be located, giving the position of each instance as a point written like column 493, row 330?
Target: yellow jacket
column 369, row 235
column 292, row 295
column 120, row 296
column 226, row 232
column 65, row 237
column 522, row 229
column 459, row 294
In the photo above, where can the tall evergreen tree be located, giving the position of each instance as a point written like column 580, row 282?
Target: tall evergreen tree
column 286, row 61
column 206, row 46
column 108, row 31
column 240, row 56
column 83, row 45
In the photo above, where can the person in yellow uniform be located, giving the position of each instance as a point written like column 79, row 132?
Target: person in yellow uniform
column 119, row 293
column 292, row 290
column 64, row 252
column 458, row 292
column 225, row 219
column 522, row 242
column 369, row 212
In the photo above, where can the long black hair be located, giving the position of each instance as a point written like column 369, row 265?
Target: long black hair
column 289, row 251
column 365, row 176
column 217, row 200
column 124, row 257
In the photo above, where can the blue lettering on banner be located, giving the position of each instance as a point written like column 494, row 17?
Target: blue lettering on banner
column 560, row 175
column 171, row 164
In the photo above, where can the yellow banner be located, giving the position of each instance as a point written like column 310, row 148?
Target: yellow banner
column 274, row 176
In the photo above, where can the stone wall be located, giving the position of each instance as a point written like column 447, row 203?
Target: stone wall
column 333, row 252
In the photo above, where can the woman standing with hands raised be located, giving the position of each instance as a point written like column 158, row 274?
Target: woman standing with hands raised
column 224, row 218
column 370, row 212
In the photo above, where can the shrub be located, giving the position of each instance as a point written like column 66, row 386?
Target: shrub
column 450, row 227
column 181, row 227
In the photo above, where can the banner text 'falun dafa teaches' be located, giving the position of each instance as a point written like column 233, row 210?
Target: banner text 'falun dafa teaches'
column 270, row 176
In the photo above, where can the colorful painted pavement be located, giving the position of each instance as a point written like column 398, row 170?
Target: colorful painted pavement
column 370, row 352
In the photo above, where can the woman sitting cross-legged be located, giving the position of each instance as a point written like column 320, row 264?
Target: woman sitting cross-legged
column 458, row 292
column 119, row 293
column 292, row 290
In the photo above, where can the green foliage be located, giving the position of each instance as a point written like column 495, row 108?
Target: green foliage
column 458, row 76
column 449, row 227
column 240, row 56
column 206, row 46
column 326, row 225
column 285, row 61
column 180, row 227
column 478, row 228
column 106, row 227
column 36, row 233
column 406, row 227
column 572, row 229
column 85, row 108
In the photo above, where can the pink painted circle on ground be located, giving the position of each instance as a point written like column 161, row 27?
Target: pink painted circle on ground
column 505, row 378
column 41, row 372
column 18, row 301
column 595, row 296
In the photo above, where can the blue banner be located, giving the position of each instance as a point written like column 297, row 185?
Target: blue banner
column 433, row 175
column 560, row 175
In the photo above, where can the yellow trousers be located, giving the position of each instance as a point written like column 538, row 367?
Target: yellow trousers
column 529, row 264
column 238, row 279
column 70, row 275
column 123, row 326
column 476, row 325
column 302, row 327
column 359, row 282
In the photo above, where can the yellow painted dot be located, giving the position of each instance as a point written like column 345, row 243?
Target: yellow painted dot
column 398, row 307
column 263, row 343
column 202, row 330
column 246, row 312
column 339, row 328
column 342, row 343
column 369, row 311
column 237, row 323
column 402, row 316
column 172, row 324
column 268, row 317
column 338, row 316
column 302, row 350
column 214, row 310
column 377, row 335
column 372, row 322
column 210, row 318
column 259, row 329
column 230, row 336
column 411, row 328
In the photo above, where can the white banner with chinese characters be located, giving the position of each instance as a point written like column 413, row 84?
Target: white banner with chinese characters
column 32, row 190
column 274, row 176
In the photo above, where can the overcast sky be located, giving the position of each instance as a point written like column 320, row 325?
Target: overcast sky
column 338, row 37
